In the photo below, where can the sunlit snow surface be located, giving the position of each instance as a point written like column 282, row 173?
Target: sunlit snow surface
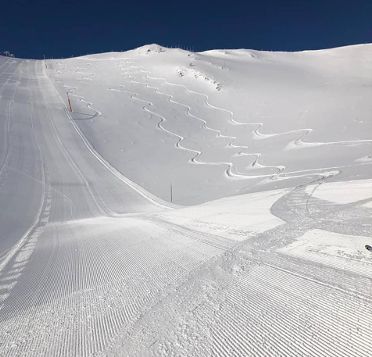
column 267, row 159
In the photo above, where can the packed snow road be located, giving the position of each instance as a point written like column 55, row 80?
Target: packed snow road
column 92, row 264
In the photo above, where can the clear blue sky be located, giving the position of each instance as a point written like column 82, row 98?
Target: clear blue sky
column 61, row 28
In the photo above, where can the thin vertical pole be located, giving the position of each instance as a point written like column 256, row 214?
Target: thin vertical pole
column 171, row 192
column 69, row 103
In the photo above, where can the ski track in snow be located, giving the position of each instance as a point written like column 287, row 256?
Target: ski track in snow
column 108, row 166
column 280, row 174
column 88, row 104
column 257, row 134
column 229, row 172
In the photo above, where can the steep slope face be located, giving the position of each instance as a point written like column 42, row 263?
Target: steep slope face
column 226, row 121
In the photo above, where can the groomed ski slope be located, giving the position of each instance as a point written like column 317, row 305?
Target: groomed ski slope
column 261, row 251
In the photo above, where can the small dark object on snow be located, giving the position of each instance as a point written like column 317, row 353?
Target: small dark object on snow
column 368, row 247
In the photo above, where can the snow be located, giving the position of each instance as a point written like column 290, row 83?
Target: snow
column 237, row 217
column 343, row 192
column 341, row 251
column 223, row 122
column 191, row 204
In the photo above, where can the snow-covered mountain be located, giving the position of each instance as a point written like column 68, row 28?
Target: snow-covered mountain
column 164, row 202
column 224, row 122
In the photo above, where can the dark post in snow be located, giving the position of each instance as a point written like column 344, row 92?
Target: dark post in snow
column 69, row 103
column 171, row 192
